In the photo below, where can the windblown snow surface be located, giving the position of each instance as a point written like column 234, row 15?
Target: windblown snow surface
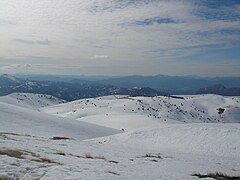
column 119, row 137
column 31, row 101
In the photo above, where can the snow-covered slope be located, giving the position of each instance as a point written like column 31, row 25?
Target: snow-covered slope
column 205, row 138
column 20, row 120
column 162, row 141
column 26, row 157
column 30, row 100
column 131, row 113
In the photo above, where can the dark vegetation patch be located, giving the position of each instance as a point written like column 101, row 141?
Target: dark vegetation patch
column 89, row 156
column 114, row 173
column 115, row 162
column 176, row 97
column 60, row 153
column 61, row 138
column 152, row 156
column 44, row 160
column 217, row 176
column 220, row 110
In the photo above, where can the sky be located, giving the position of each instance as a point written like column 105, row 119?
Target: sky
column 120, row 37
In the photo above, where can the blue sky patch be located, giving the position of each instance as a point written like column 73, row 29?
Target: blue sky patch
column 152, row 21
column 217, row 10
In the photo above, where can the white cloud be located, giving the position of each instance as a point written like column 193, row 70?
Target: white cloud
column 100, row 57
column 15, row 68
column 106, row 28
column 32, row 42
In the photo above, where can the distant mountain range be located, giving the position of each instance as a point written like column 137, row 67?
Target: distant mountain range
column 73, row 87
column 219, row 89
column 172, row 84
column 169, row 84
column 69, row 91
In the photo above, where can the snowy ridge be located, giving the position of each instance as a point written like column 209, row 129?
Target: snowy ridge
column 30, row 100
column 131, row 113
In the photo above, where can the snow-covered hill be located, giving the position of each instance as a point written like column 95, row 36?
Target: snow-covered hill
column 15, row 119
column 167, row 138
column 131, row 113
column 30, row 100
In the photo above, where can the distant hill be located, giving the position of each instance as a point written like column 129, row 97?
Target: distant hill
column 131, row 113
column 219, row 89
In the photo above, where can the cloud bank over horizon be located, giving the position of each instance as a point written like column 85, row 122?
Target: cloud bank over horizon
column 120, row 37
